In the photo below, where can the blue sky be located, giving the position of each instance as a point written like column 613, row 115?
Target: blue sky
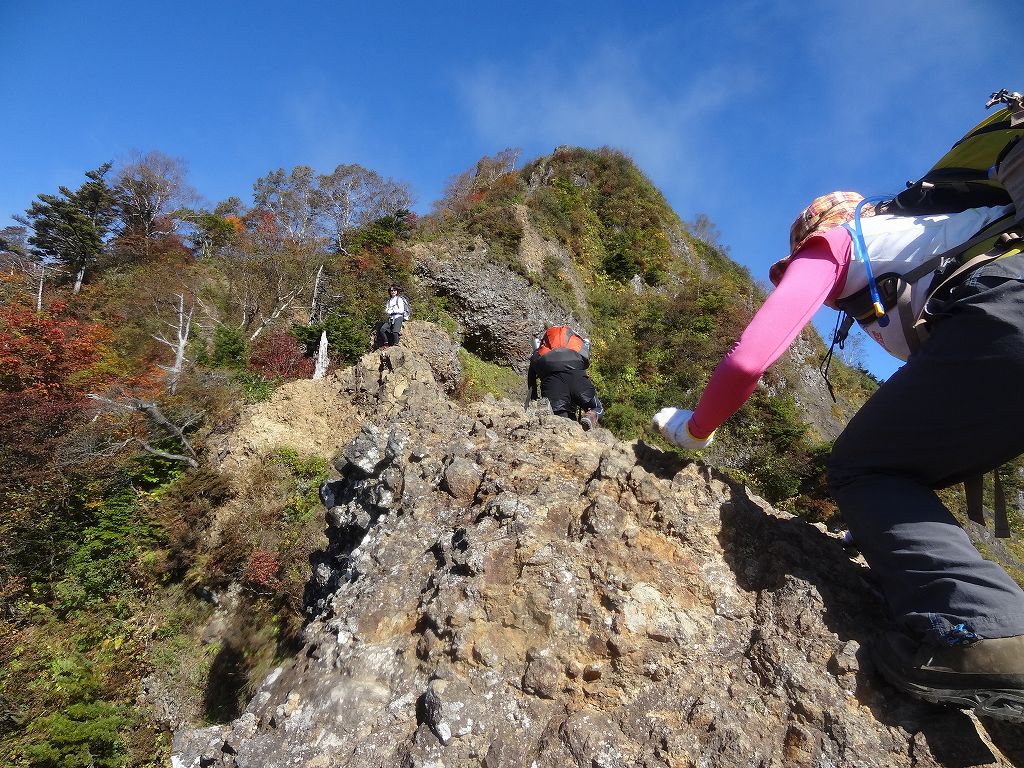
column 743, row 110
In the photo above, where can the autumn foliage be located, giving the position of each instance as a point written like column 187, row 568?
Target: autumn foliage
column 49, row 354
column 260, row 570
column 280, row 356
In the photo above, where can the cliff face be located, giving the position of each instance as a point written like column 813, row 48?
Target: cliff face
column 502, row 589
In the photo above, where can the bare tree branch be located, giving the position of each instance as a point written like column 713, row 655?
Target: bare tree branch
column 154, row 413
column 115, row 448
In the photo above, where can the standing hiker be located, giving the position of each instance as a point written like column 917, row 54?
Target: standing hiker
column 397, row 311
column 951, row 413
column 558, row 363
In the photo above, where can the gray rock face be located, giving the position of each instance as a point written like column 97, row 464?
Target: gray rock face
column 499, row 310
column 502, row 589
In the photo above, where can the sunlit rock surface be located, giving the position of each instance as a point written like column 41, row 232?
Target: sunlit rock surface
column 503, row 589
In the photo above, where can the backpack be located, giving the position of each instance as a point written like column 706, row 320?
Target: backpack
column 963, row 178
column 563, row 337
column 972, row 174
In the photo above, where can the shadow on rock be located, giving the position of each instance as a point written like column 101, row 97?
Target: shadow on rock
column 226, row 686
column 780, row 558
column 661, row 464
column 952, row 736
column 1008, row 737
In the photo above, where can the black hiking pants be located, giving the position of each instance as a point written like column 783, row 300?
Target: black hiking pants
column 390, row 331
column 954, row 411
column 570, row 390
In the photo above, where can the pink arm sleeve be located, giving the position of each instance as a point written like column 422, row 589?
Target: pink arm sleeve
column 811, row 278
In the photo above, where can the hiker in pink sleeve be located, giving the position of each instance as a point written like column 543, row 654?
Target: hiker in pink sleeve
column 959, row 636
column 806, row 284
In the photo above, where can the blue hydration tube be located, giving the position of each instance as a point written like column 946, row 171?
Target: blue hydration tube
column 861, row 252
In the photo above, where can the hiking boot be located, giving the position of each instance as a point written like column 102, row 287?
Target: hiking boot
column 589, row 420
column 986, row 675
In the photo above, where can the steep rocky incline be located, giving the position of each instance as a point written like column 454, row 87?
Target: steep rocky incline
column 502, row 589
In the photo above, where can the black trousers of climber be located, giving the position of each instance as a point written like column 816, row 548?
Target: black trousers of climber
column 570, row 390
column 389, row 333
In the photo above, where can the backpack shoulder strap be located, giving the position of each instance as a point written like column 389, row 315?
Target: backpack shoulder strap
column 991, row 232
column 973, row 488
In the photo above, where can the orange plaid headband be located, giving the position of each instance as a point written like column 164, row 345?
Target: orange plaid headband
column 824, row 213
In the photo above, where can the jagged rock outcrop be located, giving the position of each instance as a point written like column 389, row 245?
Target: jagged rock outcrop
column 503, row 589
column 431, row 343
column 499, row 310
column 825, row 417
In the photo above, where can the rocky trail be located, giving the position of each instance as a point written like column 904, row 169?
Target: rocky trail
column 503, row 589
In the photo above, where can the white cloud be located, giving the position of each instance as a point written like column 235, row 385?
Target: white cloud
column 607, row 99
column 748, row 111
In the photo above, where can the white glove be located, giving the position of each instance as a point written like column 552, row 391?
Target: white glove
column 674, row 426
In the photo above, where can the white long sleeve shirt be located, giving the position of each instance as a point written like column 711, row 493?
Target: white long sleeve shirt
column 397, row 305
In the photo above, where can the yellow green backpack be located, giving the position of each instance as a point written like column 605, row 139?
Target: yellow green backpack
column 964, row 177
column 981, row 170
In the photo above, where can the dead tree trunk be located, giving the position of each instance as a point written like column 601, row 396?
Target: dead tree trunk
column 321, row 358
column 316, row 295
column 183, row 328
column 39, row 292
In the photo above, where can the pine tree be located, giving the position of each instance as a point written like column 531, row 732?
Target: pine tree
column 71, row 227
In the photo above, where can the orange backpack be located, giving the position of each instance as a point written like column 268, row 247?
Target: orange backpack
column 560, row 337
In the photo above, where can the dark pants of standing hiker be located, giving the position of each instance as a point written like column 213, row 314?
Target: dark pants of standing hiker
column 954, row 411
column 390, row 332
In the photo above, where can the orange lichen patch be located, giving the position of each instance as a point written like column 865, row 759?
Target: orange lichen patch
column 384, row 624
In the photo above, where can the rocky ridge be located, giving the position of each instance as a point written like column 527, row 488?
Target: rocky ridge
column 503, row 589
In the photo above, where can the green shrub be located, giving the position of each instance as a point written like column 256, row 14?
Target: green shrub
column 85, row 735
column 438, row 310
column 255, row 387
column 621, row 262
column 607, row 212
column 103, row 532
column 381, row 233
column 230, row 347
column 480, row 377
column 498, row 226
column 348, row 336
column 308, row 474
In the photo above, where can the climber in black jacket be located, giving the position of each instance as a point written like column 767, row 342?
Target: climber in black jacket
column 558, row 363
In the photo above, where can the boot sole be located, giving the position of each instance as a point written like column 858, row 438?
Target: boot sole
column 1000, row 704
